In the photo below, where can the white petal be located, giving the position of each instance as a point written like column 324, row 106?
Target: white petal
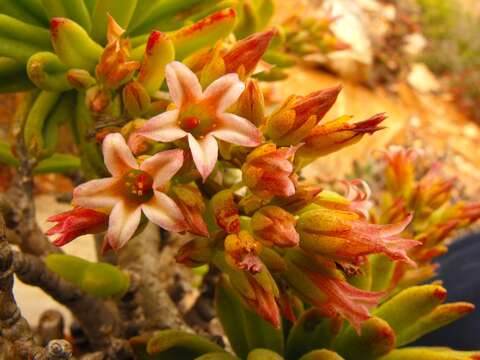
column 183, row 84
column 122, row 224
column 237, row 130
column 117, row 156
column 164, row 212
column 162, row 166
column 204, row 153
column 100, row 193
column 163, row 127
column 223, row 92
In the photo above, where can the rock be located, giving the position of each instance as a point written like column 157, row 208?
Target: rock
column 422, row 79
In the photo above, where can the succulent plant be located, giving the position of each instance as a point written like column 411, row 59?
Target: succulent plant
column 209, row 159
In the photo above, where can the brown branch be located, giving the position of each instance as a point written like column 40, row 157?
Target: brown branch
column 143, row 256
column 99, row 320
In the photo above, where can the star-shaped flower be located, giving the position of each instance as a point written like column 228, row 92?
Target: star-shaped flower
column 201, row 117
column 133, row 188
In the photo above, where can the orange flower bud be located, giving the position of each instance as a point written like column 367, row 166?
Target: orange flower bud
column 135, row 99
column 190, row 201
column 242, row 251
column 335, row 135
column 290, row 124
column 80, row 78
column 268, row 171
column 196, row 252
column 274, row 226
column 251, row 104
column 225, row 211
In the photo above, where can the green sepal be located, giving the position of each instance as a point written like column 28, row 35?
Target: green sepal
column 97, row 279
column 312, row 331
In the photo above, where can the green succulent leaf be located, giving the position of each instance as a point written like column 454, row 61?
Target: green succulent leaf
column 13, row 77
column 175, row 344
column 73, row 9
column 425, row 353
column 263, row 354
column 312, row 331
column 376, row 338
column 322, row 354
column 47, row 72
column 98, row 279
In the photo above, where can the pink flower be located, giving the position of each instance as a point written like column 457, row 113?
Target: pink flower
column 77, row 222
column 358, row 193
column 131, row 190
column 200, row 117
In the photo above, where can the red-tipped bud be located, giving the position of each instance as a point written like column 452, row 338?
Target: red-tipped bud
column 196, row 252
column 135, row 99
column 80, row 79
column 77, row 222
column 190, row 201
column 245, row 55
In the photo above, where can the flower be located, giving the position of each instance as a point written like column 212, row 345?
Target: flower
column 225, row 211
column 131, row 190
column 268, row 171
column 77, row 222
column 343, row 236
column 274, row 226
column 242, row 251
column 325, row 288
column 201, row 117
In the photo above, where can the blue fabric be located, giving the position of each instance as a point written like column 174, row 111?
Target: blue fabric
column 460, row 272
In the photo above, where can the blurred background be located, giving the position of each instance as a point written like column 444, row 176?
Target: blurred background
column 416, row 60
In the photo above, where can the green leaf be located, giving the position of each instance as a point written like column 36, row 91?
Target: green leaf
column 13, row 76
column 97, row 279
column 404, row 309
column 217, row 356
column 312, row 331
column 58, row 163
column 322, row 354
column 263, row 354
column 121, row 10
column 376, row 338
column 47, row 72
column 72, row 9
column 180, row 345
column 19, row 40
column 425, row 353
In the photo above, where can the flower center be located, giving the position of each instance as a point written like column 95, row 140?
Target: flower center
column 197, row 120
column 138, row 185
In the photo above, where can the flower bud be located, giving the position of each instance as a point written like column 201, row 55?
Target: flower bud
column 335, row 135
column 97, row 99
column 250, row 104
column 343, row 236
column 290, row 124
column 225, row 211
column 324, row 287
column 303, row 196
column 80, row 79
column 400, row 170
column 77, row 222
column 242, row 251
column 274, row 226
column 196, row 252
column 190, row 201
column 268, row 171
column 246, row 53
column 135, row 99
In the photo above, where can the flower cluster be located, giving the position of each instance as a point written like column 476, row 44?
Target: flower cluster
column 215, row 163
